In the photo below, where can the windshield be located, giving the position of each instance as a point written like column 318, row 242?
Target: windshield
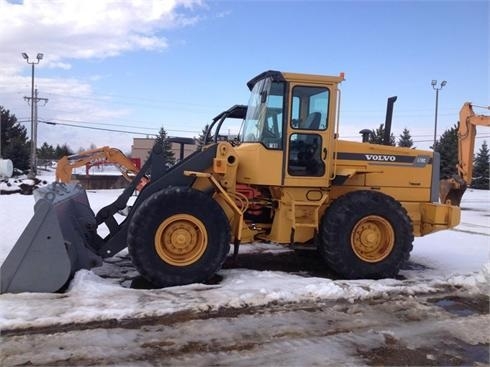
column 264, row 120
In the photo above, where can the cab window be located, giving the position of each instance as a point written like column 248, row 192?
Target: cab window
column 304, row 158
column 264, row 120
column 309, row 108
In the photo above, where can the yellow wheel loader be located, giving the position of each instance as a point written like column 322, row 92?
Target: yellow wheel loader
column 286, row 179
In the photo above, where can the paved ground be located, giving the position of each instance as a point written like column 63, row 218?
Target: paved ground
column 446, row 328
column 437, row 329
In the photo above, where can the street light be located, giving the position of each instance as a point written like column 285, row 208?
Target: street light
column 434, row 86
column 39, row 57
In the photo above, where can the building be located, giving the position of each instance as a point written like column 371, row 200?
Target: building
column 180, row 146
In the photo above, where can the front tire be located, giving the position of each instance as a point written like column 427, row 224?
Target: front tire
column 365, row 234
column 178, row 236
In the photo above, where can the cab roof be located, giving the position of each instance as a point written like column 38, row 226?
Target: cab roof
column 279, row 76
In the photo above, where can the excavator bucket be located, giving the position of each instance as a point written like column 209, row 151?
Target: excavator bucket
column 451, row 190
column 55, row 244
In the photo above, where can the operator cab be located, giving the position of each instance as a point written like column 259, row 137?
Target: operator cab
column 293, row 115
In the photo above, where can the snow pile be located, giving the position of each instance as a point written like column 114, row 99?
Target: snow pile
column 20, row 185
column 92, row 298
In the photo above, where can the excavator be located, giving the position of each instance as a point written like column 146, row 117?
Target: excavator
column 93, row 157
column 287, row 179
column 451, row 190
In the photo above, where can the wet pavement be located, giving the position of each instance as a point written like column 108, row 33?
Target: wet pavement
column 447, row 328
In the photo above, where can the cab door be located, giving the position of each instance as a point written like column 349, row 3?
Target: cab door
column 310, row 128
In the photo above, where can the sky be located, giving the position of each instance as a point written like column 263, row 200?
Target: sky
column 138, row 66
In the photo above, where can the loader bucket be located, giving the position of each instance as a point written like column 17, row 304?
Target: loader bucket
column 55, row 244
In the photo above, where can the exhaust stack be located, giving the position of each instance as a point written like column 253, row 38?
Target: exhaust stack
column 388, row 119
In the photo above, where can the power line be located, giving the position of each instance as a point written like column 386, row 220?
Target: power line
column 432, row 140
column 94, row 128
column 122, row 121
column 107, row 124
column 122, row 125
column 104, row 129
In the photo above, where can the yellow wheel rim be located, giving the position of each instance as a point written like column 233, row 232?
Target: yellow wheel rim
column 373, row 239
column 181, row 240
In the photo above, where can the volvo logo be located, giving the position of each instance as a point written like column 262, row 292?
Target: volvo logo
column 380, row 158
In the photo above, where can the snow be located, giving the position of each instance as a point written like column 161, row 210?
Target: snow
column 458, row 257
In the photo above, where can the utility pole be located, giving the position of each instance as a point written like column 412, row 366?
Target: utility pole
column 39, row 57
column 33, row 102
column 434, row 86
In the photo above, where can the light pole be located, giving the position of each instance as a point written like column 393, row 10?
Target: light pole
column 39, row 57
column 434, row 86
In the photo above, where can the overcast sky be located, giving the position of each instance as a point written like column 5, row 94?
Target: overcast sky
column 140, row 65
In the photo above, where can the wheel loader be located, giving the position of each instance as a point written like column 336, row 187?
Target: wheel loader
column 286, row 179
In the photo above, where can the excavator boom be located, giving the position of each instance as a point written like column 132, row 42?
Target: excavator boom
column 451, row 190
column 92, row 157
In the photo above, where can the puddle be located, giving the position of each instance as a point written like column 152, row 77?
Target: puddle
column 455, row 307
column 463, row 306
column 474, row 353
column 409, row 265
column 453, row 352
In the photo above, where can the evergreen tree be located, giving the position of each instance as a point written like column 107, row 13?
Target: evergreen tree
column 45, row 155
column 405, row 139
column 81, row 149
column 61, row 151
column 447, row 146
column 201, row 139
column 377, row 136
column 46, row 151
column 481, row 174
column 14, row 143
column 168, row 153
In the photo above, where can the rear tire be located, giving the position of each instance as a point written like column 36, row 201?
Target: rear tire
column 365, row 234
column 178, row 236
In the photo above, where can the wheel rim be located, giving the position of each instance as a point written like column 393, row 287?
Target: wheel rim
column 181, row 240
column 373, row 239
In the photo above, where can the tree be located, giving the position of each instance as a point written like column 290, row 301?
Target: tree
column 92, row 146
column 46, row 151
column 201, row 139
column 45, row 155
column 447, row 147
column 168, row 153
column 405, row 139
column 14, row 143
column 376, row 137
column 481, row 167
column 61, row 151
